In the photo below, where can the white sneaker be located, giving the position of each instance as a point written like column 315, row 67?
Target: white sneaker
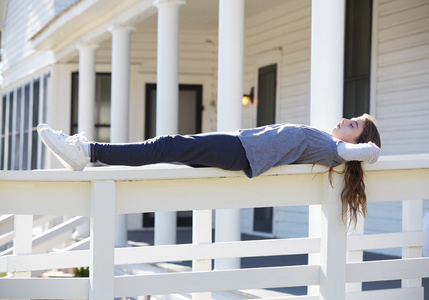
column 71, row 151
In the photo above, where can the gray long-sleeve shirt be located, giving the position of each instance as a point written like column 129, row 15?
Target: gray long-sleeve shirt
column 282, row 144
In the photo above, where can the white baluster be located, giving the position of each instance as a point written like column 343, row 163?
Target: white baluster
column 101, row 276
column 202, row 234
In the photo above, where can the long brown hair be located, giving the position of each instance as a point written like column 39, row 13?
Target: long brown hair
column 353, row 196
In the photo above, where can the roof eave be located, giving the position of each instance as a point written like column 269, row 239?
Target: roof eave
column 88, row 20
column 54, row 29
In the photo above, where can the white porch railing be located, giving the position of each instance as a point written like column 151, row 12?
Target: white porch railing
column 46, row 240
column 102, row 193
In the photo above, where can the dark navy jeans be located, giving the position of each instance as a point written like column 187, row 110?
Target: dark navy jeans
column 220, row 150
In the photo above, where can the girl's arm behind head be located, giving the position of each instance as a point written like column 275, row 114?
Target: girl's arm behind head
column 367, row 152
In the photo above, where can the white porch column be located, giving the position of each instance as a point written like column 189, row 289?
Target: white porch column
column 167, row 96
column 327, row 75
column 327, row 63
column 86, row 107
column 230, row 92
column 121, row 44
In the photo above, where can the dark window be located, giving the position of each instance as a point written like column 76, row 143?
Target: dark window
column 357, row 57
column 263, row 219
column 267, row 81
column 3, row 132
column 27, row 130
column 190, row 109
column 184, row 219
column 102, row 105
column 17, row 134
column 10, row 133
column 34, row 136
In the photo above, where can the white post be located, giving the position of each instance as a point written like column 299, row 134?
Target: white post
column 333, row 243
column 230, row 92
column 230, row 65
column 86, row 107
column 202, row 234
column 356, row 255
column 167, row 97
column 327, row 62
column 412, row 221
column 327, row 69
column 121, row 44
column 22, row 239
column 101, row 276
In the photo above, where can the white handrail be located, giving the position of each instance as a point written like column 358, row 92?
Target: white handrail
column 105, row 192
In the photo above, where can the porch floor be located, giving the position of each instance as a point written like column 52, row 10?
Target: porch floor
column 184, row 236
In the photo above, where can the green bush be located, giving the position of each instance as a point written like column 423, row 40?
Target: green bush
column 82, row 272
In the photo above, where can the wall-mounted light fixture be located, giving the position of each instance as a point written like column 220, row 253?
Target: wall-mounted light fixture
column 248, row 98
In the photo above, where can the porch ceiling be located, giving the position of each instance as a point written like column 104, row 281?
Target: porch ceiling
column 203, row 15
column 89, row 20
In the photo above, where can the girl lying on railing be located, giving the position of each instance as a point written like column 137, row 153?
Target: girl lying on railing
column 253, row 151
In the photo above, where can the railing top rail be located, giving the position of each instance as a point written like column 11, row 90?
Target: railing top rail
column 170, row 171
column 137, row 190
column 150, row 172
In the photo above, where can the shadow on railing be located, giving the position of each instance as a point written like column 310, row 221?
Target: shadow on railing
column 335, row 269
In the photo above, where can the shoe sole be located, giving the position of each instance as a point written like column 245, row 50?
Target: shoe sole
column 69, row 164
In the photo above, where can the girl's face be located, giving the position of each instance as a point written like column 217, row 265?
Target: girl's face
column 348, row 130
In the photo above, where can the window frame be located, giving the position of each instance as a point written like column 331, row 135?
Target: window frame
column 20, row 147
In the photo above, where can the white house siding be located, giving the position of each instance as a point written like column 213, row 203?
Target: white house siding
column 402, row 79
column 286, row 29
column 401, row 91
column 23, row 19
